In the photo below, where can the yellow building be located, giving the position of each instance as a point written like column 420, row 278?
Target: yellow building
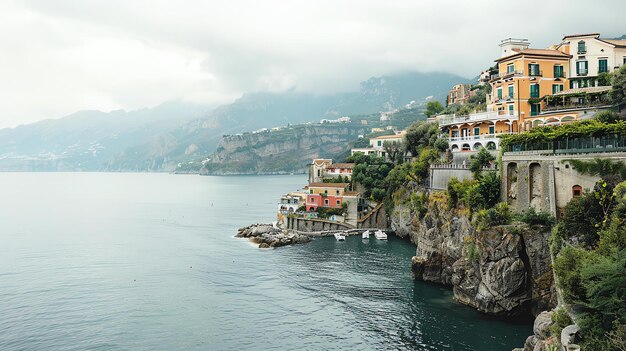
column 525, row 77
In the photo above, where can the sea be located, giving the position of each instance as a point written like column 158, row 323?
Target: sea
column 144, row 261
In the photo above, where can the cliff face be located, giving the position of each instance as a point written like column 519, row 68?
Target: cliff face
column 290, row 149
column 503, row 271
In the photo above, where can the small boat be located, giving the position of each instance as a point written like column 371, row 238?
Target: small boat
column 366, row 234
column 380, row 235
column 340, row 237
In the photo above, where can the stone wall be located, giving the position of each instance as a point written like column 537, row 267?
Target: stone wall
column 545, row 182
column 440, row 175
column 377, row 218
column 315, row 225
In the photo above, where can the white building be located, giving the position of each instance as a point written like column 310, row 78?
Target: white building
column 592, row 55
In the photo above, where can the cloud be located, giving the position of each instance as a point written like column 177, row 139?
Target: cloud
column 61, row 56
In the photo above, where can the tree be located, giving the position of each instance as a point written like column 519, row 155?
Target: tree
column 604, row 79
column 603, row 167
column 432, row 108
column 618, row 93
column 394, row 150
column 482, row 159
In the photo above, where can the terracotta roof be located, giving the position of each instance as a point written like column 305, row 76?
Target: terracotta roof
column 617, row 42
column 581, row 35
column 341, row 165
column 537, row 52
column 582, row 90
column 328, row 185
column 396, row 136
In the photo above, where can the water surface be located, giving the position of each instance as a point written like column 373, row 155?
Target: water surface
column 106, row 261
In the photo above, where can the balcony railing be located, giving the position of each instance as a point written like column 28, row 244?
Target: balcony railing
column 505, row 75
column 478, row 137
column 575, row 106
column 482, row 116
column 582, row 72
column 535, row 73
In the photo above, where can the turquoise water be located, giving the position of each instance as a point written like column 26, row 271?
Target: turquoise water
column 97, row 261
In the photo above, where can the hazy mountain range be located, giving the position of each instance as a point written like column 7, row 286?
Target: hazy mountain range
column 156, row 139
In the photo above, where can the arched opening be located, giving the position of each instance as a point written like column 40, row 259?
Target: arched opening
column 552, row 121
column 455, row 147
column 577, row 191
column 567, row 119
column 537, row 123
column 465, row 147
column 535, row 185
column 477, row 146
column 491, row 145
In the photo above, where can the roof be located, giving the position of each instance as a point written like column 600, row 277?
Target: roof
column 341, row 165
column 321, row 161
column 350, row 193
column 536, row 52
column 581, row 35
column 328, row 185
column 395, row 136
column 617, row 42
column 588, row 90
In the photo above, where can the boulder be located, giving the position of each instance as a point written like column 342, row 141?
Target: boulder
column 542, row 324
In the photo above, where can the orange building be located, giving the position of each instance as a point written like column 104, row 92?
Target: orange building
column 327, row 195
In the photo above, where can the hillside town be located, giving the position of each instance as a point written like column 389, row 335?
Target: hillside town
column 525, row 89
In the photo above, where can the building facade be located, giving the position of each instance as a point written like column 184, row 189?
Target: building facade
column 459, row 94
column 330, row 195
column 592, row 56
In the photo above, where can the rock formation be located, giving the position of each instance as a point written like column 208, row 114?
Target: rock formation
column 502, row 271
column 266, row 235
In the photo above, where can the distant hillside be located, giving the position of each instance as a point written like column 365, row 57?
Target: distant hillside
column 157, row 139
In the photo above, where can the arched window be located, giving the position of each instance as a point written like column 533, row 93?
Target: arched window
column 577, row 191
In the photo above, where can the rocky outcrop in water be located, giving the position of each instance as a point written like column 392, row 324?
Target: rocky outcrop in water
column 266, row 235
column 502, row 271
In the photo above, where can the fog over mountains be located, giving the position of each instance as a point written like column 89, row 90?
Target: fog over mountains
column 157, row 138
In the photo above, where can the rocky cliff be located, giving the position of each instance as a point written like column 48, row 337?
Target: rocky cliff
column 502, row 271
column 289, row 149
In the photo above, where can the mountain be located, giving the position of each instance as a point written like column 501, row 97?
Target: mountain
column 157, row 139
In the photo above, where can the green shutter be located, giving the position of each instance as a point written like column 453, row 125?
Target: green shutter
column 603, row 66
column 511, row 92
column 499, row 93
column 534, row 91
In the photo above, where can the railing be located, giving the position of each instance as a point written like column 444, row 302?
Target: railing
column 505, row 75
column 482, row 116
column 492, row 167
column 574, row 106
column 582, row 72
column 478, row 137
column 535, row 73
column 610, row 143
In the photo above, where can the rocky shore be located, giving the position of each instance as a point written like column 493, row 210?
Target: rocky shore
column 267, row 236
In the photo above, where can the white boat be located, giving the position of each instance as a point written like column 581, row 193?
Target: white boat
column 366, row 234
column 380, row 235
column 340, row 237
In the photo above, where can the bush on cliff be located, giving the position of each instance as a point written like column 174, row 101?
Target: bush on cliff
column 474, row 194
column 593, row 276
column 500, row 214
column 482, row 159
column 532, row 217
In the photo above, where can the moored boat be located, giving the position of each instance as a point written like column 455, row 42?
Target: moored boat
column 380, row 235
column 340, row 237
column 366, row 234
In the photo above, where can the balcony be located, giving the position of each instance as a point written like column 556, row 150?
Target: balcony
column 480, row 117
column 582, row 72
column 476, row 142
column 535, row 73
column 506, row 75
column 478, row 137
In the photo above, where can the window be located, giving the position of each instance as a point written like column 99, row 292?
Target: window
column 380, row 143
column 325, row 201
column 319, row 172
column 603, row 65
column 326, row 192
column 312, row 200
column 510, row 68
column 511, row 107
column 558, row 71
column 337, row 192
column 556, row 88
column 533, row 69
column 534, row 109
column 476, row 130
column 534, row 90
column 338, row 202
column 311, row 191
column 492, row 129
column 625, row 60
column 577, row 191
column 581, row 68
column 499, row 93
column 582, row 48
column 511, row 91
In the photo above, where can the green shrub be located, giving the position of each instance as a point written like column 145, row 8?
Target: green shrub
column 419, row 204
column 498, row 215
column 561, row 319
column 532, row 217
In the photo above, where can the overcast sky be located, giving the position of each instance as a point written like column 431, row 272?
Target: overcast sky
column 60, row 56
